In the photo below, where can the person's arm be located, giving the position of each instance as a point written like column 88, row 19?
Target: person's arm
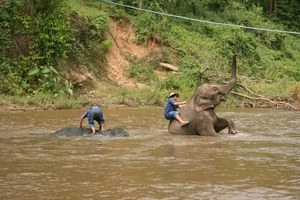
column 82, row 117
column 179, row 103
column 80, row 122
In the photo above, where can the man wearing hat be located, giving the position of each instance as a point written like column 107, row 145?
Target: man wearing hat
column 171, row 108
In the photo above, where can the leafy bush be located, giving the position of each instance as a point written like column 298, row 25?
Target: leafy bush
column 143, row 74
column 148, row 25
column 40, row 33
column 294, row 91
column 10, row 81
column 92, row 44
column 188, row 63
column 171, row 82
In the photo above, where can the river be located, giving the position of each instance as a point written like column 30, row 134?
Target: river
column 261, row 162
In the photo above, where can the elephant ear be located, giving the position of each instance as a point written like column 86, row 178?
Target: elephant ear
column 202, row 102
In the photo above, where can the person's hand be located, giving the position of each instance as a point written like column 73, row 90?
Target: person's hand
column 182, row 104
column 80, row 126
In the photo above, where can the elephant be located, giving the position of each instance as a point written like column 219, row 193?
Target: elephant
column 74, row 131
column 199, row 110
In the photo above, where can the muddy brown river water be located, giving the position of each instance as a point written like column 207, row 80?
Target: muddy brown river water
column 261, row 162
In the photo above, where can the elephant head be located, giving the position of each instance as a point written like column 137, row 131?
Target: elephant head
column 209, row 96
column 199, row 110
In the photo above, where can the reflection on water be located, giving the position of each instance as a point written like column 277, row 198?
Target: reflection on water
column 261, row 162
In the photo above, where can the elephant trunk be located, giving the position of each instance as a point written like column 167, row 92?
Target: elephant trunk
column 228, row 87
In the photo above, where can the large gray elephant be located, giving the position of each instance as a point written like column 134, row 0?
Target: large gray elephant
column 199, row 110
column 74, row 131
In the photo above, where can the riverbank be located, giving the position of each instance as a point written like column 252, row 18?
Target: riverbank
column 125, row 98
column 24, row 104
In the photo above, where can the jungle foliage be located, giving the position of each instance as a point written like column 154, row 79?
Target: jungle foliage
column 34, row 35
column 38, row 35
column 264, row 57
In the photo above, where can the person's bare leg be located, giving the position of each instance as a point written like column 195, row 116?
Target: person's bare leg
column 180, row 120
column 101, row 128
column 93, row 130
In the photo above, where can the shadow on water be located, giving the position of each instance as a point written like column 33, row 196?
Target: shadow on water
column 261, row 162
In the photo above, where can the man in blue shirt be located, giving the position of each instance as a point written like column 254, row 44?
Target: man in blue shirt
column 171, row 109
column 94, row 113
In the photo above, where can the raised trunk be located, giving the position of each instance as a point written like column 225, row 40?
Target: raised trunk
column 228, row 87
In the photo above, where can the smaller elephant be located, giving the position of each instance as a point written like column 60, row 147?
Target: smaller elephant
column 74, row 131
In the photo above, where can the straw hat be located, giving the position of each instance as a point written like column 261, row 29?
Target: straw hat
column 174, row 94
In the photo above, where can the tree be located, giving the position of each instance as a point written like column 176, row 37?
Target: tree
column 288, row 13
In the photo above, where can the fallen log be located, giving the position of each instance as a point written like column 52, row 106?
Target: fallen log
column 169, row 66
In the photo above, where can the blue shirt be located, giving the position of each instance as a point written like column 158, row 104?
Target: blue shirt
column 170, row 106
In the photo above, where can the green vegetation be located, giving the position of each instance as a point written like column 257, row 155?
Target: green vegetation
column 268, row 62
column 34, row 36
column 39, row 38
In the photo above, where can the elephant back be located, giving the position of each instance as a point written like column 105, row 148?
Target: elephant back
column 74, row 131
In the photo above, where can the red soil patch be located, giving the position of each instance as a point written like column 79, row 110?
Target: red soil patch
column 124, row 49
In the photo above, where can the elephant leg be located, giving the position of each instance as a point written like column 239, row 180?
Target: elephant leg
column 223, row 123
column 231, row 127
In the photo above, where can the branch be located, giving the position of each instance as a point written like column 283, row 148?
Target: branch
column 248, row 90
column 275, row 104
column 252, row 98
